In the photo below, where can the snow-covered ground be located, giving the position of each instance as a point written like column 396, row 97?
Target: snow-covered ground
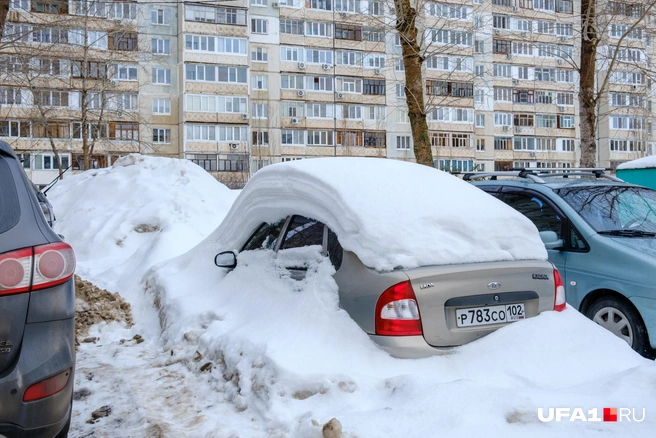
column 255, row 353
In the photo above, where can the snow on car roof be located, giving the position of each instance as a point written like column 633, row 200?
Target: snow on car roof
column 392, row 214
column 641, row 163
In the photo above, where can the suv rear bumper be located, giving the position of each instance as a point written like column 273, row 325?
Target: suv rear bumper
column 54, row 340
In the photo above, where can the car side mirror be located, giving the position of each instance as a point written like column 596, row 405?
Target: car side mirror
column 226, row 259
column 551, row 240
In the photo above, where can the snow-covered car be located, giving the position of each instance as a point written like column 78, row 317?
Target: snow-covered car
column 423, row 261
column 37, row 309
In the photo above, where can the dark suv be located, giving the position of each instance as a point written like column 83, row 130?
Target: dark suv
column 37, row 309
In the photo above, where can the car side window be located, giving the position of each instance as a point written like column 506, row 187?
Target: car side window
column 303, row 232
column 537, row 210
column 265, row 237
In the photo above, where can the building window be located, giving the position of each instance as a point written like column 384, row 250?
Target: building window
column 161, row 75
column 259, row 82
column 348, row 32
column 292, row 27
column 501, row 46
column 371, row 86
column 260, row 138
column 479, row 46
column 480, row 144
column 125, row 72
column 47, row 161
column 124, row 131
column 160, row 16
column 233, row 163
column 480, row 120
column 566, row 122
column 51, row 98
column 403, row 142
column 259, row 54
column 259, row 110
column 259, row 2
column 161, row 135
column 206, row 161
column 161, row 106
column 259, row 25
column 124, row 41
column 161, row 46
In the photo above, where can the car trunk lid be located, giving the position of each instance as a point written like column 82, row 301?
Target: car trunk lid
column 461, row 303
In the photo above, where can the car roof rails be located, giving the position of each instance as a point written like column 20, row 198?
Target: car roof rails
column 524, row 173
column 566, row 172
column 537, row 175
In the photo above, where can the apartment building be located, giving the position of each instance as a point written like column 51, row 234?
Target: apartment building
column 235, row 86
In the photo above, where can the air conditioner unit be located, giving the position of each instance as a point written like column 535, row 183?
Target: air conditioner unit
column 497, row 32
column 532, row 154
column 377, row 71
column 234, row 146
column 300, row 93
column 275, row 5
column 563, row 38
column 515, row 81
column 244, row 116
column 301, row 65
column 119, row 113
column 559, row 62
column 515, row 9
column 113, row 82
column 506, row 128
column 524, row 34
column 561, row 109
column 343, row 14
column 325, row 66
column 340, row 95
column 294, row 121
column 509, row 55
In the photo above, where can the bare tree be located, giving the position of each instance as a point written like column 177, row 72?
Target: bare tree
column 68, row 64
column 406, row 25
column 592, row 85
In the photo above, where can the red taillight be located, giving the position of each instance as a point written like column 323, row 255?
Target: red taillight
column 559, row 299
column 36, row 268
column 15, row 271
column 47, row 387
column 397, row 312
column 55, row 264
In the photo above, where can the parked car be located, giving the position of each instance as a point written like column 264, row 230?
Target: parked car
column 463, row 289
column 37, row 308
column 602, row 234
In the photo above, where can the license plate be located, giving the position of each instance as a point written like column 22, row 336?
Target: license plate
column 489, row 315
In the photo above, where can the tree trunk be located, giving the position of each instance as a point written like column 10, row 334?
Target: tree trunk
column 414, row 84
column 587, row 98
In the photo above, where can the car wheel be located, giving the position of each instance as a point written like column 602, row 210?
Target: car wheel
column 621, row 319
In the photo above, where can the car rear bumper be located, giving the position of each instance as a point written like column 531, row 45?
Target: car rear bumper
column 48, row 348
column 408, row 347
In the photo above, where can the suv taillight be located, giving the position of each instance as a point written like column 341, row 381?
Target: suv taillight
column 397, row 312
column 559, row 298
column 36, row 268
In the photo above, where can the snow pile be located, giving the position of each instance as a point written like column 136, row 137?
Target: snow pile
column 254, row 353
column 124, row 219
column 282, row 351
column 641, row 163
column 388, row 212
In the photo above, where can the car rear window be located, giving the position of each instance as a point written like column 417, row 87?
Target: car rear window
column 9, row 205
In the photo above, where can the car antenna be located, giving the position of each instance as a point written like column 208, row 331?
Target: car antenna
column 54, row 181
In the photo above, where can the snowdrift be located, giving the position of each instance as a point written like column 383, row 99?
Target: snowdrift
column 124, row 219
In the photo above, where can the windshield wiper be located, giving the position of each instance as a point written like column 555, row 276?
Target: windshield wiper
column 628, row 233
